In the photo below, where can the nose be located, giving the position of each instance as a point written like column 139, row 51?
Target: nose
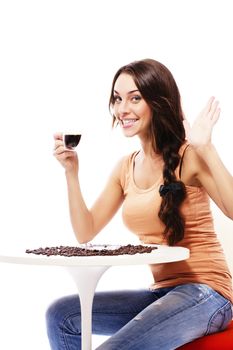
column 123, row 107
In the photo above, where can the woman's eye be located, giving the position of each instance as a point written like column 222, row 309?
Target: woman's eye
column 136, row 98
column 117, row 99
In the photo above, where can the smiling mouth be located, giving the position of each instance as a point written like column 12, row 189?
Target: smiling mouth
column 127, row 123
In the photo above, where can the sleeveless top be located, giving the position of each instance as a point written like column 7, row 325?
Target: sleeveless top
column 206, row 263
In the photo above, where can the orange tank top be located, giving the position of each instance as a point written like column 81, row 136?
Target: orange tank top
column 206, row 263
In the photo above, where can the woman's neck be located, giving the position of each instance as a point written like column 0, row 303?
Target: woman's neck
column 148, row 151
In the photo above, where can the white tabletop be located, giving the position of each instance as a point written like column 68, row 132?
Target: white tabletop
column 163, row 254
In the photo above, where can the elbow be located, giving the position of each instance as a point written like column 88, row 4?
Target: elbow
column 84, row 237
column 83, row 240
column 84, row 233
column 230, row 215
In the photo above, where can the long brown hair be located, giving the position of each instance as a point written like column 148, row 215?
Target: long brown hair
column 159, row 89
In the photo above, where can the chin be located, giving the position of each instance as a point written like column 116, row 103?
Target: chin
column 129, row 134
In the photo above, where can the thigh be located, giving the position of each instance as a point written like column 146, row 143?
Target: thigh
column 185, row 313
column 111, row 310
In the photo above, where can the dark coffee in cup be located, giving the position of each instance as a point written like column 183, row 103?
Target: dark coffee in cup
column 71, row 140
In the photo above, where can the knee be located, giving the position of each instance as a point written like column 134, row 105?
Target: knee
column 53, row 317
column 59, row 312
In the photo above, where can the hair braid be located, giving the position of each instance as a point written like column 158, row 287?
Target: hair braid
column 169, row 212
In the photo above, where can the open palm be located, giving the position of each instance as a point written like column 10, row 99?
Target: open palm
column 200, row 132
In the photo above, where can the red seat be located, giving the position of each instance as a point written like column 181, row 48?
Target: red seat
column 217, row 341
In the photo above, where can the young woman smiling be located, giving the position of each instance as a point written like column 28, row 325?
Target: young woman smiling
column 164, row 190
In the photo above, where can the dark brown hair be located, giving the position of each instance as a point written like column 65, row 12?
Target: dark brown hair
column 158, row 88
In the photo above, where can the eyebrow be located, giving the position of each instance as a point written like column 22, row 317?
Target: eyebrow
column 128, row 93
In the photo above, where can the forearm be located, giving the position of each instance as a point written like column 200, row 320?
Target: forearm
column 221, row 176
column 81, row 217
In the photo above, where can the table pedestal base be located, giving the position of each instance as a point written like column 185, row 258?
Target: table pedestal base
column 86, row 279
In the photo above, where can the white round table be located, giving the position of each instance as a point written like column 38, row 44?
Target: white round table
column 87, row 270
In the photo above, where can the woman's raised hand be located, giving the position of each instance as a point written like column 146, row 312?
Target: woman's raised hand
column 200, row 132
column 67, row 158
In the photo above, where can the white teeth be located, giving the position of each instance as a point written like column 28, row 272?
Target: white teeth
column 128, row 121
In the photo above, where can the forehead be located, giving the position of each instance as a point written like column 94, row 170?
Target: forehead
column 125, row 83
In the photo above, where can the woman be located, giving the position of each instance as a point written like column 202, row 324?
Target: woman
column 164, row 189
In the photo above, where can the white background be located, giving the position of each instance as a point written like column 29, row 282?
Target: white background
column 57, row 61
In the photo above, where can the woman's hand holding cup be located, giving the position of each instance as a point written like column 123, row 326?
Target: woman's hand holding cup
column 65, row 153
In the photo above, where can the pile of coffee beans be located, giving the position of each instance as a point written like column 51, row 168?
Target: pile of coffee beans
column 78, row 251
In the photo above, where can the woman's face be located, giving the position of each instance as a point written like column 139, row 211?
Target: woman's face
column 130, row 109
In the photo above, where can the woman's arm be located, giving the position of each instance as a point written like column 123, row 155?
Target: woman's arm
column 209, row 169
column 86, row 222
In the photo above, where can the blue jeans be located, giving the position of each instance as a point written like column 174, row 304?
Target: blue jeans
column 162, row 319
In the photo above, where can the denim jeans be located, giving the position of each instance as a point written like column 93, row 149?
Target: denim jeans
column 162, row 319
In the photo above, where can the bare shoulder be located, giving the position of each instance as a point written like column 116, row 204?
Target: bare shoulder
column 121, row 165
column 191, row 167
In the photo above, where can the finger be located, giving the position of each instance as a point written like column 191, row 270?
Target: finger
column 64, row 155
column 60, row 149
column 58, row 136
column 213, row 109
column 216, row 116
column 58, row 143
column 208, row 106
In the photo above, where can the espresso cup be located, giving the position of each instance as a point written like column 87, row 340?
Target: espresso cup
column 71, row 140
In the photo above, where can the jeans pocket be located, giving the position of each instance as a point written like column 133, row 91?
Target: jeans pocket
column 220, row 319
